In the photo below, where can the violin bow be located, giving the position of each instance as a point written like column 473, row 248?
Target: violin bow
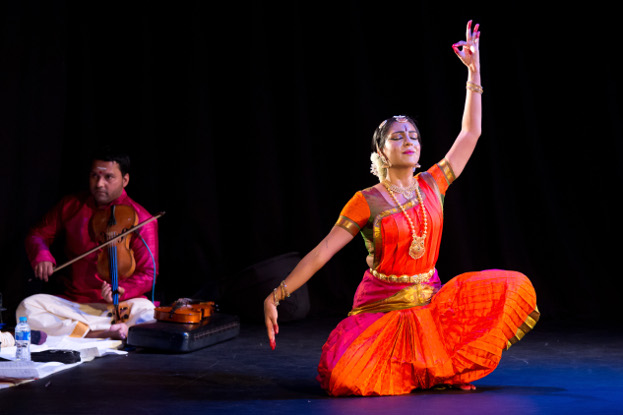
column 103, row 244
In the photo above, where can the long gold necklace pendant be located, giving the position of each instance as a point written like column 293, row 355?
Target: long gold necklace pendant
column 417, row 249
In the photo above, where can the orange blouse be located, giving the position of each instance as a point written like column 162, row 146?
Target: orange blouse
column 385, row 228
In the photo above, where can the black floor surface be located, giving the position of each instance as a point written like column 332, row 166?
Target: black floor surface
column 553, row 370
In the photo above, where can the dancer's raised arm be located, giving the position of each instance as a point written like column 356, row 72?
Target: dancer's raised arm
column 463, row 147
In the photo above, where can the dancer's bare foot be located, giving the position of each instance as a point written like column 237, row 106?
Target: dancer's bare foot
column 116, row 332
column 463, row 387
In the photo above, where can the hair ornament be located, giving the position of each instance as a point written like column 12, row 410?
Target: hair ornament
column 395, row 118
column 378, row 167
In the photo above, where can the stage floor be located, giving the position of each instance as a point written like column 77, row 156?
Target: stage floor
column 553, row 370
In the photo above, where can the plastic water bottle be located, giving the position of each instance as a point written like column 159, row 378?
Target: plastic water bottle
column 22, row 339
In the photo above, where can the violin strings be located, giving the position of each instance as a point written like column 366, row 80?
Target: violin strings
column 113, row 272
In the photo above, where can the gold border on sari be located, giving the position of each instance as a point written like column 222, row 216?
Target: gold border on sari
column 412, row 296
column 347, row 224
column 447, row 171
column 526, row 327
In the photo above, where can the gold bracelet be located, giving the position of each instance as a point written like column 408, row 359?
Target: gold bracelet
column 284, row 289
column 275, row 297
column 474, row 87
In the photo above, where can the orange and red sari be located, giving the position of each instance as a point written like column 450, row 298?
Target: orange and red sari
column 406, row 331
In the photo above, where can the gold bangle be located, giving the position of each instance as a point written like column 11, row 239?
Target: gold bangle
column 474, row 87
column 276, row 301
column 284, row 289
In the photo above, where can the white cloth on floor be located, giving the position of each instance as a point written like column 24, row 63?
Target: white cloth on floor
column 13, row 372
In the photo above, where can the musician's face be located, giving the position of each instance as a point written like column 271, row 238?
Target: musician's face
column 106, row 181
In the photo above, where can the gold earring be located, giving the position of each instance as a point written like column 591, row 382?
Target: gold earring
column 384, row 161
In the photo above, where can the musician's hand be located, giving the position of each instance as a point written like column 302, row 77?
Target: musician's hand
column 107, row 292
column 43, row 270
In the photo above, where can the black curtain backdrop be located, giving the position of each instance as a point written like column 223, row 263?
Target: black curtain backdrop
column 250, row 123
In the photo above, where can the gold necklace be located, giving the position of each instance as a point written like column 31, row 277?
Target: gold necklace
column 417, row 249
column 405, row 191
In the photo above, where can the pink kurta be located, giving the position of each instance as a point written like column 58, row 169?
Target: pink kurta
column 70, row 218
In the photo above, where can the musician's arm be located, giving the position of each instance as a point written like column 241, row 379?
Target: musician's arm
column 39, row 240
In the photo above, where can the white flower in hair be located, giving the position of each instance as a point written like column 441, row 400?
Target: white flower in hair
column 376, row 167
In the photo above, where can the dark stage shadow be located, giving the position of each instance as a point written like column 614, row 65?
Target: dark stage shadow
column 548, row 372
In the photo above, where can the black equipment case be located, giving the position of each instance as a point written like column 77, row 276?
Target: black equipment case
column 180, row 337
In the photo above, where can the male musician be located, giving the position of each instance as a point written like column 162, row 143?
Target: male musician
column 84, row 307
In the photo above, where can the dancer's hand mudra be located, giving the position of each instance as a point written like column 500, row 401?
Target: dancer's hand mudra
column 468, row 50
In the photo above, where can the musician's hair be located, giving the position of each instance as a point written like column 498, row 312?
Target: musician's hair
column 108, row 153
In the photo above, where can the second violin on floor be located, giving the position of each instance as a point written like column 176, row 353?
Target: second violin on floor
column 185, row 311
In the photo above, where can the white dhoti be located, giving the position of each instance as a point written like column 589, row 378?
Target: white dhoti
column 60, row 317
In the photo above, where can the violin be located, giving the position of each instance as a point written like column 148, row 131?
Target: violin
column 104, row 244
column 114, row 228
column 185, row 310
column 117, row 259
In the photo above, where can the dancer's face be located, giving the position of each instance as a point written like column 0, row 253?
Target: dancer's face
column 402, row 147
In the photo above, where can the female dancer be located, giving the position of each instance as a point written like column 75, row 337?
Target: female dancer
column 405, row 330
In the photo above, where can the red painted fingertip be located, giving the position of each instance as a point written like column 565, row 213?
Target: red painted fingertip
column 273, row 344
